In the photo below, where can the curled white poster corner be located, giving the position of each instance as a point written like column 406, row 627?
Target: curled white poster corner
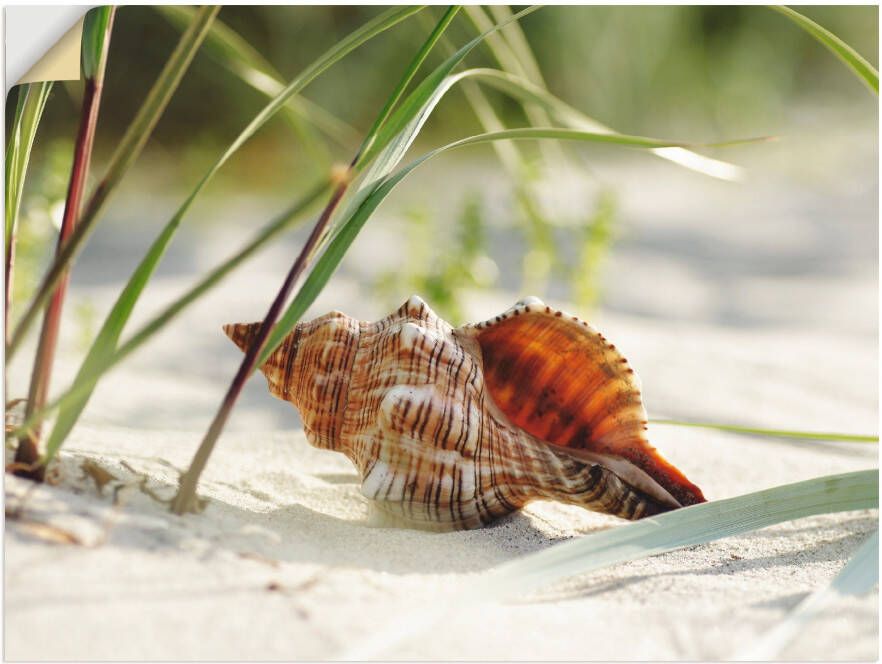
column 42, row 43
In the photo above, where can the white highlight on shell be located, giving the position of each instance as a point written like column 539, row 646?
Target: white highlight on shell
column 415, row 303
column 410, row 335
column 375, row 479
column 530, row 300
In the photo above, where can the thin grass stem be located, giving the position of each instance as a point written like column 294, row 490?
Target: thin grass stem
column 126, row 153
column 849, row 57
column 96, row 42
column 185, row 499
column 107, row 339
column 775, row 433
column 76, row 396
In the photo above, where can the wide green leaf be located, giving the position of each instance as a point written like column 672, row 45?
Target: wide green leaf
column 852, row 59
column 688, row 526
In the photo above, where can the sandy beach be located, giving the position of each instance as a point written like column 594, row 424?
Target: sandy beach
column 771, row 321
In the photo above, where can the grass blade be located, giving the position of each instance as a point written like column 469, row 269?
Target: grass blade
column 75, row 398
column 777, row 433
column 688, row 526
column 185, row 500
column 857, row 578
column 525, row 90
column 97, row 26
column 414, row 111
column 519, row 63
column 389, row 145
column 240, row 58
column 108, row 337
column 851, row 58
column 28, row 111
column 378, row 191
column 124, row 156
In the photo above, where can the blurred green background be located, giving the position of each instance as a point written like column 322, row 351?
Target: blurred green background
column 687, row 72
column 690, row 73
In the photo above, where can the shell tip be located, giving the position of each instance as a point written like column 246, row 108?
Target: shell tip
column 241, row 334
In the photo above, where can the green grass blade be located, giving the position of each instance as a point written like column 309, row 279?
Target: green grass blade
column 851, row 58
column 378, row 191
column 689, row 526
column 108, row 337
column 386, row 146
column 75, row 398
column 124, row 156
column 405, row 80
column 414, row 111
column 518, row 44
column 525, row 90
column 95, row 35
column 185, row 500
column 238, row 56
column 28, row 111
column 776, row 433
column 858, row 577
column 518, row 63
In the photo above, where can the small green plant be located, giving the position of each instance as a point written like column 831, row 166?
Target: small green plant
column 441, row 264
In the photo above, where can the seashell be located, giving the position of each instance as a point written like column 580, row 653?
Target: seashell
column 455, row 427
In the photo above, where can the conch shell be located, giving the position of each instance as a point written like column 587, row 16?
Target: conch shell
column 455, row 427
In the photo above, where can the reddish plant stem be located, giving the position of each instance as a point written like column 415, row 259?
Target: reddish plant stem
column 185, row 500
column 7, row 295
column 28, row 448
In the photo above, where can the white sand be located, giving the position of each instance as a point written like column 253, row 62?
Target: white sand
column 283, row 565
column 754, row 304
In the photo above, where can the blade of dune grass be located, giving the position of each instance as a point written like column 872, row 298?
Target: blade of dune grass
column 386, row 149
column 124, row 156
column 680, row 528
column 858, row 577
column 239, row 57
column 108, row 336
column 185, row 499
column 523, row 89
column 512, row 60
column 775, row 433
column 97, row 27
column 851, row 58
column 74, row 399
column 28, row 111
column 351, row 225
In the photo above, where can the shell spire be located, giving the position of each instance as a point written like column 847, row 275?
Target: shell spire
column 311, row 368
column 457, row 427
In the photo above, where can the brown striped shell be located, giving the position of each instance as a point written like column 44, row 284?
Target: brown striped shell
column 456, row 427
